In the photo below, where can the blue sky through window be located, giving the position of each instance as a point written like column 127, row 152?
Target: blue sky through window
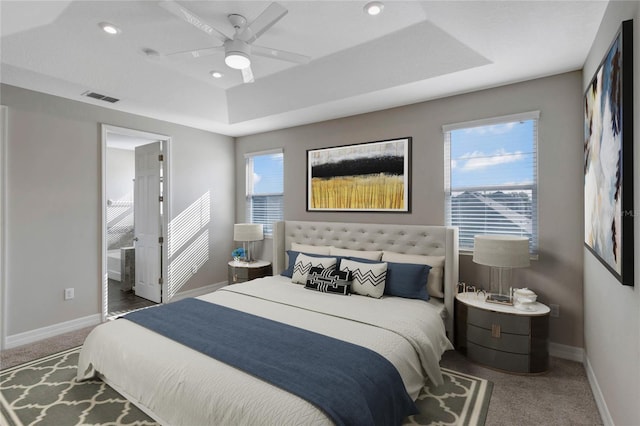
column 493, row 155
column 267, row 174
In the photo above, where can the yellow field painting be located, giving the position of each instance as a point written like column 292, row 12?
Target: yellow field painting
column 379, row 192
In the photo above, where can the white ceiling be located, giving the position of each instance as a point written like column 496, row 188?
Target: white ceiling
column 413, row 51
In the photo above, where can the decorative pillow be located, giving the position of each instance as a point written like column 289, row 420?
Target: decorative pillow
column 407, row 280
column 292, row 255
column 304, row 264
column 435, row 282
column 368, row 278
column 306, row 248
column 329, row 281
column 363, row 254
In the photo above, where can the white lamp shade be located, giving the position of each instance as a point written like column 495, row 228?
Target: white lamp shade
column 248, row 232
column 506, row 251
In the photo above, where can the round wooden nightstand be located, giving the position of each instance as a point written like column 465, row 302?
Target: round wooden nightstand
column 501, row 336
column 240, row 272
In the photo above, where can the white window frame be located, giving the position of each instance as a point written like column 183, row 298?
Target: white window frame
column 268, row 231
column 447, row 129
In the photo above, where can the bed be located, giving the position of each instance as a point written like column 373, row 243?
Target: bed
column 176, row 384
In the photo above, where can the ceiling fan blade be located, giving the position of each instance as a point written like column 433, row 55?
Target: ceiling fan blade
column 247, row 75
column 272, row 14
column 280, row 54
column 191, row 18
column 197, row 53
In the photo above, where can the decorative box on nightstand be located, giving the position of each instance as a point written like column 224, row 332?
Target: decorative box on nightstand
column 240, row 272
column 501, row 336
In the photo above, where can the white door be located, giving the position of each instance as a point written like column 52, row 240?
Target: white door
column 147, row 222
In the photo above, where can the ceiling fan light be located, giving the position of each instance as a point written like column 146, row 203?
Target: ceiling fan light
column 237, row 60
column 374, row 8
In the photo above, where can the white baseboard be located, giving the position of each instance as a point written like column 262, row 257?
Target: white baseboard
column 607, row 420
column 571, row 353
column 195, row 292
column 51, row 331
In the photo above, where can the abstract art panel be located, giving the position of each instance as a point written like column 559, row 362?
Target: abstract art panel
column 372, row 176
column 608, row 159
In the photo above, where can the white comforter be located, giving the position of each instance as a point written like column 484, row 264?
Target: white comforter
column 179, row 386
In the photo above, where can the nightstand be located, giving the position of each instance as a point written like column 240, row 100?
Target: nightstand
column 501, row 336
column 240, row 272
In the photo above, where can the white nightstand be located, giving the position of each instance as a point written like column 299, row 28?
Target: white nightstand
column 240, row 272
column 501, row 336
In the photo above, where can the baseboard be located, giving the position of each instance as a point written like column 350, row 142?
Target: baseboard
column 607, row 420
column 195, row 292
column 572, row 353
column 51, row 331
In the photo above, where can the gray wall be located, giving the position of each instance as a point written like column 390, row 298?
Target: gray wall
column 611, row 310
column 53, row 228
column 557, row 275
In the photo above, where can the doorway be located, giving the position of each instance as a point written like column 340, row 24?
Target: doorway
column 135, row 174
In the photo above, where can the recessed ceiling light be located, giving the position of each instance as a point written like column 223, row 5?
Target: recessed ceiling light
column 109, row 28
column 374, row 8
column 216, row 74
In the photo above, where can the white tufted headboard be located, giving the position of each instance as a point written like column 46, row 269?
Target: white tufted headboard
column 409, row 239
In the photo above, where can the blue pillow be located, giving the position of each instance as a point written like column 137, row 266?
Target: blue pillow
column 408, row 280
column 292, row 261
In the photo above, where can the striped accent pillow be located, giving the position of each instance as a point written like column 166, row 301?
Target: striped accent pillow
column 304, row 264
column 329, row 281
column 368, row 278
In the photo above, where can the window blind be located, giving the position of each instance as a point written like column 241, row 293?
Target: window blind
column 265, row 188
column 491, row 178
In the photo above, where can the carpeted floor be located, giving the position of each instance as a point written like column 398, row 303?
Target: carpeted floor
column 561, row 396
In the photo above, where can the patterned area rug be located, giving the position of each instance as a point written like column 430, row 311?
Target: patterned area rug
column 45, row 392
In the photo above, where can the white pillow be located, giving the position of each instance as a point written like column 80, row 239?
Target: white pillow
column 435, row 281
column 368, row 278
column 305, row 263
column 364, row 254
column 306, row 248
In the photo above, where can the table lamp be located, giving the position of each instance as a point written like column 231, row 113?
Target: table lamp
column 247, row 233
column 501, row 253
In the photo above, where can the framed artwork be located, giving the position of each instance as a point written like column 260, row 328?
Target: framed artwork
column 608, row 159
column 370, row 177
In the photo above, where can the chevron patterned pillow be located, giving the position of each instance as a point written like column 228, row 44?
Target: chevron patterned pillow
column 368, row 278
column 329, row 281
column 304, row 264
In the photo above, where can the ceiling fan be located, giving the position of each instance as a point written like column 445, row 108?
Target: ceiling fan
column 239, row 48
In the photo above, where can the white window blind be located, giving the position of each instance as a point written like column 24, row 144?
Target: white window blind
column 265, row 188
column 491, row 178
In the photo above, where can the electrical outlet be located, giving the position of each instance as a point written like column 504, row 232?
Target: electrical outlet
column 68, row 293
column 555, row 310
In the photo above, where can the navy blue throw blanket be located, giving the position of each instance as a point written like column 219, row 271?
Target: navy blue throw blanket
column 353, row 385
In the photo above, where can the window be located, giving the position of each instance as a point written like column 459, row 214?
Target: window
column 264, row 182
column 491, row 181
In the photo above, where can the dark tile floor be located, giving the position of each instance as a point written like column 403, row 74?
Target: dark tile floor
column 124, row 301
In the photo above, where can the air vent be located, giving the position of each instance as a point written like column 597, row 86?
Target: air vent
column 95, row 95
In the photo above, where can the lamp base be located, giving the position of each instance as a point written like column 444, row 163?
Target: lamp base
column 499, row 299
